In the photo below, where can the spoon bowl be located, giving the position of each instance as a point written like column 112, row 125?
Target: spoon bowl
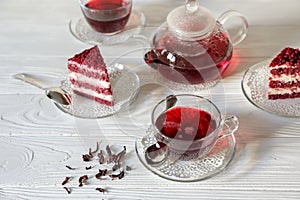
column 158, row 152
column 55, row 94
column 58, row 95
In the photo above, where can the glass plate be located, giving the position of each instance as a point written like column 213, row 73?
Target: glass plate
column 192, row 170
column 125, row 87
column 81, row 30
column 255, row 87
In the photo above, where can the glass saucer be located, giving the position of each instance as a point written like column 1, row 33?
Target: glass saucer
column 125, row 87
column 192, row 170
column 255, row 88
column 81, row 30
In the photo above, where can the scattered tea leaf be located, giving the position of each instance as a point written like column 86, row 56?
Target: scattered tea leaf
column 101, row 173
column 116, row 166
column 70, row 168
column 86, row 157
column 108, row 150
column 128, row 168
column 101, row 157
column 82, row 179
column 101, row 190
column 97, row 148
column 120, row 155
column 111, row 156
column 111, row 159
column 90, row 152
column 120, row 175
column 66, row 180
column 68, row 190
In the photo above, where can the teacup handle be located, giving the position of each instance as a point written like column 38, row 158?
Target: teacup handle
column 230, row 125
column 241, row 33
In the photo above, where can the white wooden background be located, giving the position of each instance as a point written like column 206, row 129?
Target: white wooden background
column 37, row 140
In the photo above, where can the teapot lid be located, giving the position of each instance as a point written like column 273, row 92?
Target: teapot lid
column 191, row 20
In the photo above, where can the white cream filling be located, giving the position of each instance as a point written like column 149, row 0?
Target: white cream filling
column 90, row 81
column 283, row 90
column 93, row 93
column 283, row 67
column 85, row 67
column 286, row 78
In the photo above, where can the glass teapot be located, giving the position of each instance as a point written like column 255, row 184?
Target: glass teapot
column 192, row 47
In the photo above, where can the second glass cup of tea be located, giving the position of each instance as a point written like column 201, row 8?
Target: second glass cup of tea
column 106, row 16
column 190, row 128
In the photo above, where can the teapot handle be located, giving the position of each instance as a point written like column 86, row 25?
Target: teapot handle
column 238, row 35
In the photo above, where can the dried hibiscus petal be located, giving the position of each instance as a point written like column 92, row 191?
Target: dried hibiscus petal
column 111, row 157
column 108, row 150
column 116, row 166
column 119, row 176
column 128, row 168
column 66, row 180
column 101, row 190
column 101, row 157
column 90, row 152
column 120, row 155
column 88, row 168
column 86, row 157
column 82, row 179
column 97, row 148
column 68, row 190
column 89, row 156
column 101, row 173
column 70, row 168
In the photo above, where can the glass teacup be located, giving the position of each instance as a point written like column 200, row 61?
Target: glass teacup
column 106, row 16
column 190, row 127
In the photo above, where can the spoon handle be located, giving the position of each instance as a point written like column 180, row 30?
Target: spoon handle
column 32, row 80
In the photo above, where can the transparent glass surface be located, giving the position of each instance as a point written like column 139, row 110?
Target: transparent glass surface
column 191, row 170
column 125, row 88
column 255, row 88
column 82, row 31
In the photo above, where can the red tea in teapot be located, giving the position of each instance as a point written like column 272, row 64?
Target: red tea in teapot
column 191, row 62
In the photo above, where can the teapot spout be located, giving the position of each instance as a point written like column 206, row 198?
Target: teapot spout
column 151, row 58
column 159, row 57
column 176, row 67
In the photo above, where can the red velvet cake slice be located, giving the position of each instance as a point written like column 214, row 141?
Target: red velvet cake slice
column 88, row 76
column 284, row 80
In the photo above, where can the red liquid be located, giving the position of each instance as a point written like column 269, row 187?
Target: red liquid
column 204, row 60
column 110, row 22
column 185, row 123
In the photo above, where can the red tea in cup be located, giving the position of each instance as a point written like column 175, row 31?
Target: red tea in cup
column 189, row 125
column 186, row 130
column 185, row 123
column 106, row 16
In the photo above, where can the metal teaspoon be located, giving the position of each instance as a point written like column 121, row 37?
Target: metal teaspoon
column 157, row 153
column 56, row 94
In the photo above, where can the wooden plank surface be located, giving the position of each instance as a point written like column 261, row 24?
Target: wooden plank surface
column 37, row 140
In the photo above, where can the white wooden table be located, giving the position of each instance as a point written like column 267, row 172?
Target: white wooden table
column 37, row 140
